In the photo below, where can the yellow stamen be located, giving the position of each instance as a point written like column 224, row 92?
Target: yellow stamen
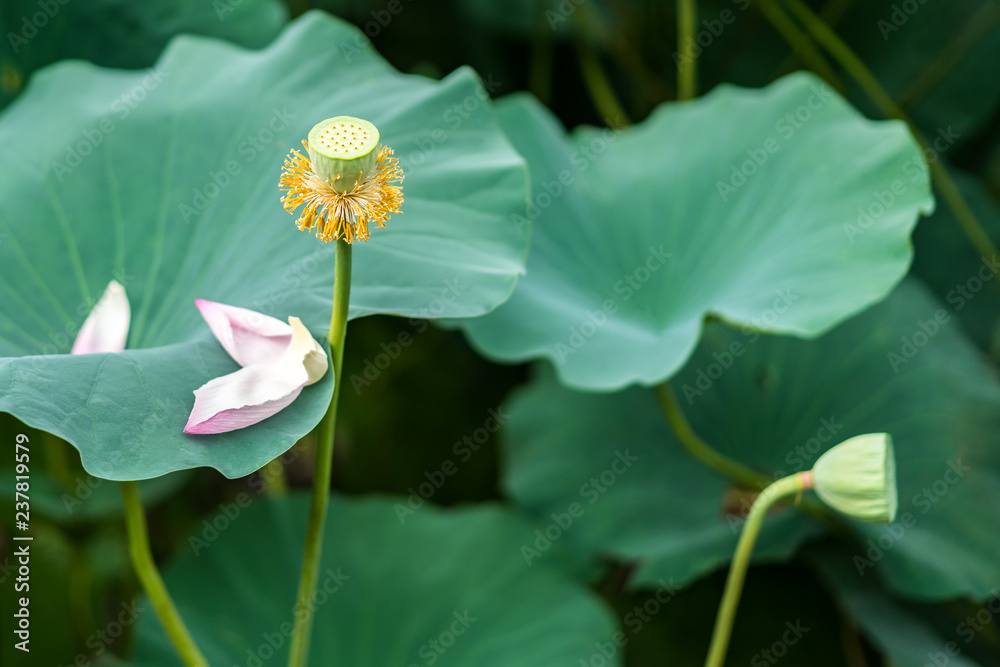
column 346, row 215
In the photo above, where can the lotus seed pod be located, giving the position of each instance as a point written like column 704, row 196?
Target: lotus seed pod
column 858, row 478
column 343, row 151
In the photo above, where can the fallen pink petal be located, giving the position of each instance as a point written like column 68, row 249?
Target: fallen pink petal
column 106, row 328
column 248, row 336
column 261, row 389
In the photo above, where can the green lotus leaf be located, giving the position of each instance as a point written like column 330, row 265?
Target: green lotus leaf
column 776, row 404
column 897, row 628
column 743, row 205
column 459, row 596
column 120, row 33
column 176, row 196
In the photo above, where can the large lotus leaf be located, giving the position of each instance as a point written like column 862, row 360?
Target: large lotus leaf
column 431, row 587
column 897, row 629
column 119, row 33
column 178, row 198
column 642, row 234
column 775, row 404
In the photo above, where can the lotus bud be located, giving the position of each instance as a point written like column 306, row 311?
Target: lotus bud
column 858, row 478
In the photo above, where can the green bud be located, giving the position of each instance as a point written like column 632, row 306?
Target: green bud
column 858, row 478
column 343, row 151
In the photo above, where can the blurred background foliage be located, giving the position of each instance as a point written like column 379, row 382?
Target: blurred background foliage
column 590, row 61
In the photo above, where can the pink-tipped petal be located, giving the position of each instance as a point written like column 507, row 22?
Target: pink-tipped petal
column 241, row 399
column 248, row 336
column 256, row 392
column 106, row 328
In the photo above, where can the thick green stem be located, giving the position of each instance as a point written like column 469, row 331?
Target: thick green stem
column 786, row 486
column 304, row 608
column 687, row 73
column 734, row 470
column 149, row 577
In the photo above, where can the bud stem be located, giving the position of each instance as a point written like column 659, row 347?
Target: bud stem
column 786, row 486
column 149, row 577
column 731, row 468
column 687, row 75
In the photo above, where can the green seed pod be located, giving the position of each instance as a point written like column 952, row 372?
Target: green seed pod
column 858, row 478
column 343, row 151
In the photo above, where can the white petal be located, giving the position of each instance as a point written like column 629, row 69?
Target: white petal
column 106, row 328
column 248, row 336
column 243, row 398
column 256, row 392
